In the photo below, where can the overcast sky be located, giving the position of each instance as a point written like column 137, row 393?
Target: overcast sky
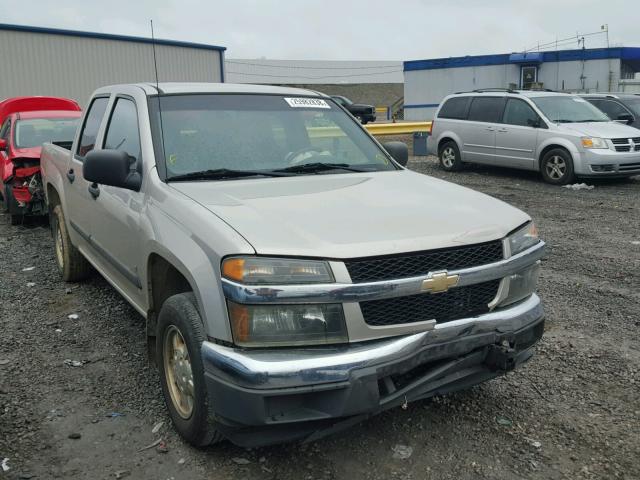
column 344, row 29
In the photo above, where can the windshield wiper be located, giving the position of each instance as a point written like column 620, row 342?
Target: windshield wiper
column 564, row 120
column 316, row 167
column 591, row 120
column 222, row 173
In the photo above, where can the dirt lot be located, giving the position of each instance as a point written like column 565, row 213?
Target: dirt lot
column 572, row 412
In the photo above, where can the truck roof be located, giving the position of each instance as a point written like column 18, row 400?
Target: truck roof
column 172, row 88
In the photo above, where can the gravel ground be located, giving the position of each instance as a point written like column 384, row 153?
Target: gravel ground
column 572, row 412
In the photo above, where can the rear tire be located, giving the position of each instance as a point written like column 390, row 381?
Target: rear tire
column 179, row 340
column 556, row 167
column 16, row 219
column 71, row 264
column 449, row 155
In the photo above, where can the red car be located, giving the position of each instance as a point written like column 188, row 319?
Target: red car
column 27, row 123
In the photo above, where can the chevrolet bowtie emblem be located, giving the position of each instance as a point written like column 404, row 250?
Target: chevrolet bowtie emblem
column 440, row 282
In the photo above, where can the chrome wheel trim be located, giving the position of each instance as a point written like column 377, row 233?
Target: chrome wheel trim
column 448, row 157
column 178, row 372
column 59, row 245
column 556, row 167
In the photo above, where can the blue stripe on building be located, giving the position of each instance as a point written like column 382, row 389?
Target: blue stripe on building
column 623, row 53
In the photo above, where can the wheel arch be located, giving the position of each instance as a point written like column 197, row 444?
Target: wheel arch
column 545, row 148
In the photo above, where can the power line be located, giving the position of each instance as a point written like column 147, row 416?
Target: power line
column 301, row 67
column 314, row 78
column 573, row 38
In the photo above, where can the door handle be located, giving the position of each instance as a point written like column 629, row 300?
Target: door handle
column 502, row 130
column 94, row 190
column 490, row 129
column 71, row 175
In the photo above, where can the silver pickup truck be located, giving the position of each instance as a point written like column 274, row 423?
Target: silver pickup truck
column 295, row 278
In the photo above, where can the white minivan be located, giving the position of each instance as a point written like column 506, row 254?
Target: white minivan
column 563, row 136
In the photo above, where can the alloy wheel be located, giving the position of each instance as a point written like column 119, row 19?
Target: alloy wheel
column 448, row 157
column 556, row 167
column 178, row 372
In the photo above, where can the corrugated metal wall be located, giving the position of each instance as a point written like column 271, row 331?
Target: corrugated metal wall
column 36, row 63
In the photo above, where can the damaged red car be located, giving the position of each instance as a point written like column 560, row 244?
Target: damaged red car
column 27, row 123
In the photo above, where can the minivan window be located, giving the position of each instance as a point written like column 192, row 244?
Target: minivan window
column 568, row 109
column 518, row 112
column 123, row 133
column 611, row 108
column 455, row 107
column 91, row 125
column 486, row 109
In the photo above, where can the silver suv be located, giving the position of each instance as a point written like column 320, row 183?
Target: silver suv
column 563, row 136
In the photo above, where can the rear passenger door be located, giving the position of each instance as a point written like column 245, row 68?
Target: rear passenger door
column 79, row 203
column 479, row 131
column 517, row 137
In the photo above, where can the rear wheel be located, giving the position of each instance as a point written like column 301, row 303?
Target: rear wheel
column 449, row 155
column 16, row 219
column 71, row 264
column 557, row 167
column 179, row 339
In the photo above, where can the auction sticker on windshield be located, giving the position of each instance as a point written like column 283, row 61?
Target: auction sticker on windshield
column 307, row 103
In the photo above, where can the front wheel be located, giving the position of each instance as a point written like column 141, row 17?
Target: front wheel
column 557, row 167
column 178, row 343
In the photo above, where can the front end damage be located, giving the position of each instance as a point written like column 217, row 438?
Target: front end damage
column 24, row 190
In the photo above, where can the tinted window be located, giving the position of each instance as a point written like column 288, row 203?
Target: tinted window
column 486, row 109
column 91, row 125
column 518, row 112
column 122, row 132
column 455, row 107
column 611, row 108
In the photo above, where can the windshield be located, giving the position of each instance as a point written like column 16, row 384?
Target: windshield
column 34, row 132
column 569, row 109
column 231, row 134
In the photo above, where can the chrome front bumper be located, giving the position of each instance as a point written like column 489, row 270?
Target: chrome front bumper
column 264, row 369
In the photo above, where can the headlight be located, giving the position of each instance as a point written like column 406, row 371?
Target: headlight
column 280, row 325
column 524, row 238
column 258, row 270
column 594, row 142
column 522, row 284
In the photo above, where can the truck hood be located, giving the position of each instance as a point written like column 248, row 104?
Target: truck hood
column 601, row 129
column 354, row 215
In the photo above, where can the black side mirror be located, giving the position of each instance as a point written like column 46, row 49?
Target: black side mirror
column 626, row 118
column 399, row 151
column 111, row 167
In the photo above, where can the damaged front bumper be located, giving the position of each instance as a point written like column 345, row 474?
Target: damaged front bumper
column 270, row 396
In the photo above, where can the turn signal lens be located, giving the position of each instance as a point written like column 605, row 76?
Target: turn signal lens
column 259, row 270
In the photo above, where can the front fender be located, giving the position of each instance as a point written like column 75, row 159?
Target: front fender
column 559, row 142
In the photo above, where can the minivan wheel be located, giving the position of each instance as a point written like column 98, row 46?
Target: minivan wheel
column 557, row 167
column 450, row 157
column 178, row 343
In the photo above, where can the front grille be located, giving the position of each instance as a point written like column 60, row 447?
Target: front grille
column 623, row 144
column 456, row 303
column 373, row 269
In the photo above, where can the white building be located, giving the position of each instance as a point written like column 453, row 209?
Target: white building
column 427, row 82
column 69, row 63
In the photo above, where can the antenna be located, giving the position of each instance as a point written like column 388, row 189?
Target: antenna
column 155, row 67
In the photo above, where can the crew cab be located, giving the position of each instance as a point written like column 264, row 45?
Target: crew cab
column 294, row 276
column 28, row 122
column 365, row 113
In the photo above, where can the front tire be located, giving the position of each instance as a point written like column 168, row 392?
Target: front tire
column 449, row 155
column 178, row 343
column 71, row 264
column 557, row 167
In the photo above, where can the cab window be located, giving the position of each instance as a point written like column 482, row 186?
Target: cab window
column 123, row 132
column 91, row 125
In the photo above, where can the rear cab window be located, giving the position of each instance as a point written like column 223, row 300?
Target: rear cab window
column 91, row 125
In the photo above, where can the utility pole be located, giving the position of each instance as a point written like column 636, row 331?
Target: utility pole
column 605, row 28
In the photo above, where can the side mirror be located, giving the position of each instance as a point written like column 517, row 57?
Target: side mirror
column 626, row 118
column 111, row 167
column 398, row 150
column 3, row 144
